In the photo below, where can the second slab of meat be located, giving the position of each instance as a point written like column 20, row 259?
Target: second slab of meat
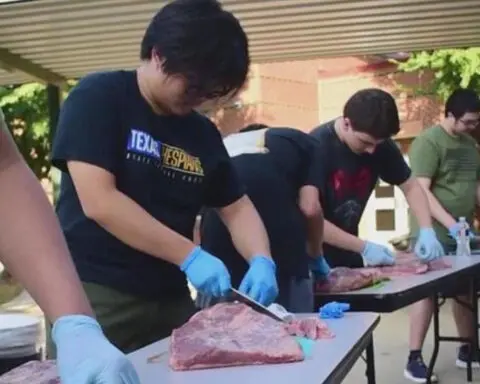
column 343, row 279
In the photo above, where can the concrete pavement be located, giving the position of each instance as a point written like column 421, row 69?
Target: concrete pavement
column 391, row 349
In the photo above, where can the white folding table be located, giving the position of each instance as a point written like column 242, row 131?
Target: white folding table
column 400, row 292
column 330, row 360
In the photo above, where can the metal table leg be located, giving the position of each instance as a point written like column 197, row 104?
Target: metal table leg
column 370, row 360
column 474, row 343
column 436, row 337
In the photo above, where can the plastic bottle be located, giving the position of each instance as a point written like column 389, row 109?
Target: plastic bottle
column 463, row 239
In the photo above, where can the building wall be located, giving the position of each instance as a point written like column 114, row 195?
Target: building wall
column 302, row 94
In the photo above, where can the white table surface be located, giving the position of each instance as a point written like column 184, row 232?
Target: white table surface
column 402, row 284
column 326, row 356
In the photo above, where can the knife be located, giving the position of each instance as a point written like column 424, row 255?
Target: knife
column 236, row 295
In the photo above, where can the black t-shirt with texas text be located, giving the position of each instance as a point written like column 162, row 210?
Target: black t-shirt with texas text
column 170, row 165
column 347, row 181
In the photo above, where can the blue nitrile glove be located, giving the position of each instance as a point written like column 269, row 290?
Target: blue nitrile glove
column 85, row 356
column 454, row 230
column 207, row 273
column 260, row 282
column 428, row 247
column 376, row 254
column 319, row 267
column 333, row 310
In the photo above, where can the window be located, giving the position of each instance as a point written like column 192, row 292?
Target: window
column 384, row 191
column 385, row 220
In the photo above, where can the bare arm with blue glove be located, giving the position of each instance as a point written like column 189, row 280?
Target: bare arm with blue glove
column 43, row 265
column 428, row 247
column 251, row 240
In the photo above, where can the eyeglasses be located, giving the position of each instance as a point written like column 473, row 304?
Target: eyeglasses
column 469, row 123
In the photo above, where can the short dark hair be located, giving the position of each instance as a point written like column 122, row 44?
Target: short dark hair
column 462, row 101
column 253, row 127
column 373, row 111
column 202, row 42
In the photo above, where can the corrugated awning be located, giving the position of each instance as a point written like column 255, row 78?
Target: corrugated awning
column 52, row 40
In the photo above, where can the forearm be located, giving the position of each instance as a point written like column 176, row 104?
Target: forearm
column 341, row 239
column 134, row 226
column 246, row 228
column 32, row 245
column 436, row 210
column 420, row 204
column 315, row 231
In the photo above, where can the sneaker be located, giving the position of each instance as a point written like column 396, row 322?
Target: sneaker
column 416, row 371
column 464, row 356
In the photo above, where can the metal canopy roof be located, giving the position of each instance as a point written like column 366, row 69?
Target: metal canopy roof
column 51, row 40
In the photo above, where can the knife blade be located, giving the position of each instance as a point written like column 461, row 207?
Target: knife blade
column 236, row 295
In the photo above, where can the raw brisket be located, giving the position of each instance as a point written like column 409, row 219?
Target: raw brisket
column 343, row 279
column 311, row 327
column 33, row 372
column 231, row 334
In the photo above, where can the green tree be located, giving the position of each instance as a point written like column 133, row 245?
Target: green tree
column 26, row 112
column 451, row 68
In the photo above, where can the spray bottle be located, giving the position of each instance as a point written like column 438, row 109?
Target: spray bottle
column 463, row 239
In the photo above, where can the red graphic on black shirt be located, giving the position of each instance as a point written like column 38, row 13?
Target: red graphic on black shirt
column 356, row 184
column 351, row 191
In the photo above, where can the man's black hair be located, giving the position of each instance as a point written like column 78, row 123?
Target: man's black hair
column 374, row 112
column 201, row 41
column 462, row 101
column 253, row 127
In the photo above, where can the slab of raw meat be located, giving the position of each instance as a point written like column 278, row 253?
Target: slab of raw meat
column 33, row 372
column 343, row 279
column 310, row 327
column 231, row 334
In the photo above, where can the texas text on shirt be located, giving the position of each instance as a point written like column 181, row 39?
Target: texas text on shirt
column 169, row 165
column 348, row 179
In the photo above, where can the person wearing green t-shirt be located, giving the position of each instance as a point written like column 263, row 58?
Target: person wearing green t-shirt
column 446, row 161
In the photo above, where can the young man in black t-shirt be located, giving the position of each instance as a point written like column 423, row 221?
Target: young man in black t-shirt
column 356, row 151
column 279, row 167
column 137, row 166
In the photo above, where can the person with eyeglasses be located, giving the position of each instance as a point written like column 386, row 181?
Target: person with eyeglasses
column 139, row 162
column 446, row 162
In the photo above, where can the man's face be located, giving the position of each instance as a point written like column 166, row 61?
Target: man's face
column 467, row 123
column 359, row 142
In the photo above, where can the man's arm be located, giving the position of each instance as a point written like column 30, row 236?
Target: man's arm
column 246, row 228
column 478, row 194
column 124, row 218
column 309, row 203
column 424, row 160
column 423, row 204
column 42, row 263
column 419, row 206
column 341, row 239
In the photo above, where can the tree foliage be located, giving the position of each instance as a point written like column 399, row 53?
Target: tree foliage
column 26, row 112
column 451, row 68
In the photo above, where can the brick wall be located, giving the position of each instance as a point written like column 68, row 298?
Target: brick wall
column 302, row 94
